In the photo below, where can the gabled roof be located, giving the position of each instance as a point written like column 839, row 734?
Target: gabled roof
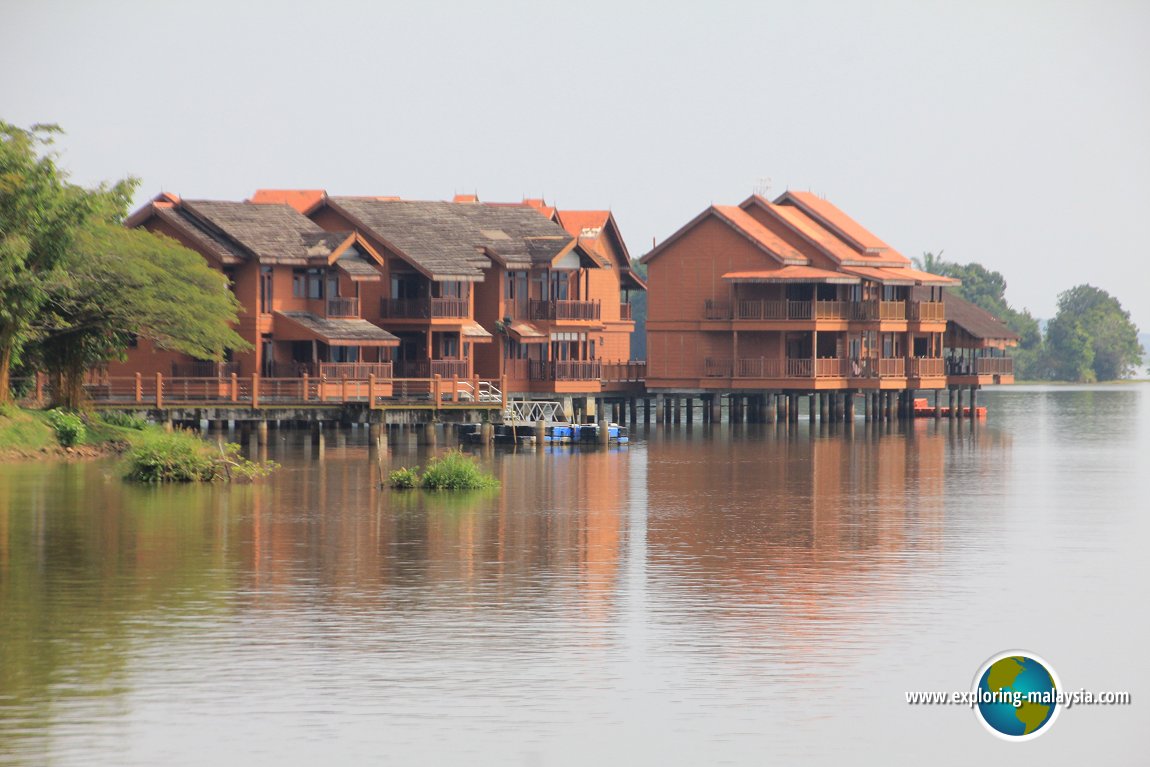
column 829, row 216
column 900, row 276
column 743, row 223
column 456, row 241
column 273, row 234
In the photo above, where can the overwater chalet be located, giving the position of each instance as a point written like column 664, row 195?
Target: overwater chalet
column 519, row 292
column 305, row 291
column 794, row 296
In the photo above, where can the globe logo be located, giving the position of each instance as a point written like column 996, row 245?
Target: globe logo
column 1017, row 695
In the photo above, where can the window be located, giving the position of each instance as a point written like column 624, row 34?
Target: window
column 299, row 283
column 266, row 283
column 448, row 346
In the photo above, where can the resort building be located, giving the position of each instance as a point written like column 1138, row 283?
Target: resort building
column 306, row 292
column 794, row 296
column 352, row 287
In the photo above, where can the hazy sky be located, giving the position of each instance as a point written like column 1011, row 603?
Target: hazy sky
column 1016, row 134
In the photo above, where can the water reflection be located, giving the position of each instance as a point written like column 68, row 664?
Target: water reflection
column 665, row 597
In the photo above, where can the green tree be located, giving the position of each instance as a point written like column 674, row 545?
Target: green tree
column 121, row 284
column 639, row 314
column 40, row 213
column 1092, row 338
column 987, row 289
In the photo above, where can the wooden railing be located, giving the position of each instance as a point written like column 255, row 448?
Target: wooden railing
column 343, row 307
column 716, row 310
column 832, row 367
column 714, row 368
column 424, row 308
column 892, row 367
column 564, row 370
column 624, row 372
column 625, row 312
column 926, row 311
column 159, row 391
column 994, row 365
column 832, row 310
column 927, row 367
column 431, row 368
column 337, row 370
column 562, row 310
column 892, row 310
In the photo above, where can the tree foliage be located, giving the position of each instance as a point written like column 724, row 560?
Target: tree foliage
column 76, row 287
column 1091, row 338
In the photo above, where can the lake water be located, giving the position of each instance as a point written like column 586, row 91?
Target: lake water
column 727, row 595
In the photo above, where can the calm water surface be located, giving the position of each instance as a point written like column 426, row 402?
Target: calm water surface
column 743, row 595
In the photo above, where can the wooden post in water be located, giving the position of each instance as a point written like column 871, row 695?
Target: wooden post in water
column 973, row 404
column 540, row 432
column 690, row 409
column 634, row 406
column 604, row 432
column 813, row 405
column 716, row 408
column 849, row 415
column 262, row 432
column 430, row 437
column 937, row 404
column 646, row 410
column 959, row 413
column 950, row 403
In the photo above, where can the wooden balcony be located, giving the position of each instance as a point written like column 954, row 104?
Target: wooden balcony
column 625, row 312
column 624, row 372
column 432, row 368
column 564, row 370
column 204, row 369
column 808, row 369
column 716, row 368
column 359, row 371
column 424, row 308
column 926, row 311
column 343, row 307
column 994, row 366
column 551, row 311
column 926, row 367
column 756, row 309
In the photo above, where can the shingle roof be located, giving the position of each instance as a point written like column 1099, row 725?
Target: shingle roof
column 206, row 238
column 449, row 240
column 339, row 332
column 792, row 274
column 275, row 234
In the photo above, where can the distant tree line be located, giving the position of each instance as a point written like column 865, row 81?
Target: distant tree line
column 1091, row 338
column 77, row 289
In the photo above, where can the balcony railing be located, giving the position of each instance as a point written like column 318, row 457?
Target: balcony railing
column 994, row 365
column 892, row 367
column 713, row 368
column 624, row 372
column 359, row 371
column 564, row 370
column 424, row 308
column 926, row 311
column 562, row 310
column 758, row 309
column 927, row 367
column 892, row 310
column 343, row 307
column 625, row 311
column 432, row 368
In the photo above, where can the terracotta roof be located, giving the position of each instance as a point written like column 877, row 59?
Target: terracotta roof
column 303, row 200
column 465, row 198
column 900, row 276
column 453, row 241
column 834, row 219
column 970, row 317
column 792, row 274
column 274, row 234
column 526, row 333
column 342, row 332
column 759, row 234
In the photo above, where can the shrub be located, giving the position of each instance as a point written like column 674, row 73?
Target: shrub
column 69, row 427
column 176, row 457
column 453, row 471
column 184, row 457
column 404, row 479
column 123, row 420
